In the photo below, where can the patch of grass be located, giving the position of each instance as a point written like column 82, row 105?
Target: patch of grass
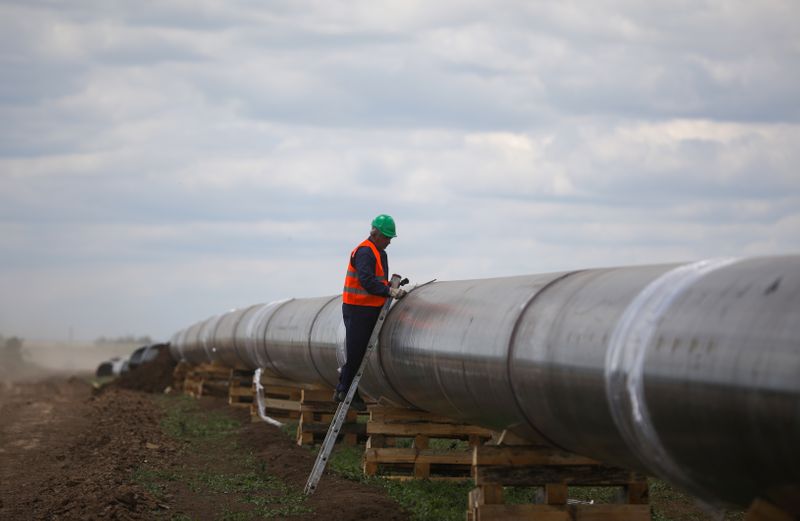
column 182, row 422
column 431, row 500
column 519, row 495
column 426, row 500
column 594, row 494
column 154, row 480
column 248, row 493
column 346, row 461
column 671, row 504
column 290, row 429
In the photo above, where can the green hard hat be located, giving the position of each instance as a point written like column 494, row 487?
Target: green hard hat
column 384, row 224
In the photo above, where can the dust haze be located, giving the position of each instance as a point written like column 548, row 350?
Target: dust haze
column 22, row 359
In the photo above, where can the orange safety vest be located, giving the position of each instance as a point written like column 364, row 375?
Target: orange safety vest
column 354, row 292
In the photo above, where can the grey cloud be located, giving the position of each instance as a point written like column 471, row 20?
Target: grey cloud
column 152, row 156
column 198, row 15
column 28, row 82
column 149, row 53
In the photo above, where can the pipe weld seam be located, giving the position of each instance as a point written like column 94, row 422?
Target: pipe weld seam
column 626, row 355
column 250, row 338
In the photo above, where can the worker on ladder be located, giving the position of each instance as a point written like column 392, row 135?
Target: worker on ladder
column 366, row 287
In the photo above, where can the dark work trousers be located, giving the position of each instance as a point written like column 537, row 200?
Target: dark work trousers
column 359, row 321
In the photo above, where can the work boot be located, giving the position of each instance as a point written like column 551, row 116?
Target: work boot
column 358, row 404
column 339, row 396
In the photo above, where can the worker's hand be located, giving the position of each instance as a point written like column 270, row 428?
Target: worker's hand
column 397, row 293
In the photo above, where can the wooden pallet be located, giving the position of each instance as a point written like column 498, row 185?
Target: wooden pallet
column 553, row 472
column 241, row 392
column 317, row 410
column 389, row 426
column 207, row 379
column 282, row 398
column 179, row 375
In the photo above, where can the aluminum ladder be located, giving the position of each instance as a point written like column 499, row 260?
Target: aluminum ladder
column 341, row 411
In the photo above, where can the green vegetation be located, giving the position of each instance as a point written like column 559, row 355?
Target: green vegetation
column 154, row 480
column 181, row 421
column 446, row 500
column 251, row 493
column 426, row 500
column 210, row 451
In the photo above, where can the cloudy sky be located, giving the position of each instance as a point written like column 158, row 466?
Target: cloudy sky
column 164, row 161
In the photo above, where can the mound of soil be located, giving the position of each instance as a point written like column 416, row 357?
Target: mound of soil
column 67, row 452
column 69, row 455
column 151, row 377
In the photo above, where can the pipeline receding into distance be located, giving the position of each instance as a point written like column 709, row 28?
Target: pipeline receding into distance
column 690, row 372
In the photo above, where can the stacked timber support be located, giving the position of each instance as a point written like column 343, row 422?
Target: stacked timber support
column 179, row 375
column 317, row 410
column 241, row 392
column 389, row 427
column 207, row 380
column 552, row 472
column 281, row 399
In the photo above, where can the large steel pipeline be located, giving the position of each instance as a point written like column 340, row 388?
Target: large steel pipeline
column 690, row 372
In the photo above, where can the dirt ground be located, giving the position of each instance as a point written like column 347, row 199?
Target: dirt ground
column 70, row 452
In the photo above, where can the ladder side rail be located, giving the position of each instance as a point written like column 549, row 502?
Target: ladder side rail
column 341, row 411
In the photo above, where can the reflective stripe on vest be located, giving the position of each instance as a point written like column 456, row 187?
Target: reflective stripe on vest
column 354, row 292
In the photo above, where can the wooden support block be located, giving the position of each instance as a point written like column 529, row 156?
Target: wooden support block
column 522, row 513
column 411, row 463
column 193, row 388
column 525, row 456
column 636, row 493
column 433, row 430
column 240, row 391
column 284, row 405
column 370, row 468
column 585, row 475
column 305, row 438
column 270, row 380
column 490, row 495
column 376, row 441
column 613, row 512
column 282, row 415
column 215, row 387
column 317, row 395
column 420, row 441
column 179, row 375
column 380, row 413
column 555, row 494
column 412, row 455
column 347, row 428
column 391, row 455
column 283, row 393
column 212, row 371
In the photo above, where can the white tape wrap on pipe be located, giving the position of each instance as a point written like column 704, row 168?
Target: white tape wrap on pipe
column 262, row 413
column 626, row 355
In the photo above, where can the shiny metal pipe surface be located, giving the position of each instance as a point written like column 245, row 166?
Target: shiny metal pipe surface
column 690, row 372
